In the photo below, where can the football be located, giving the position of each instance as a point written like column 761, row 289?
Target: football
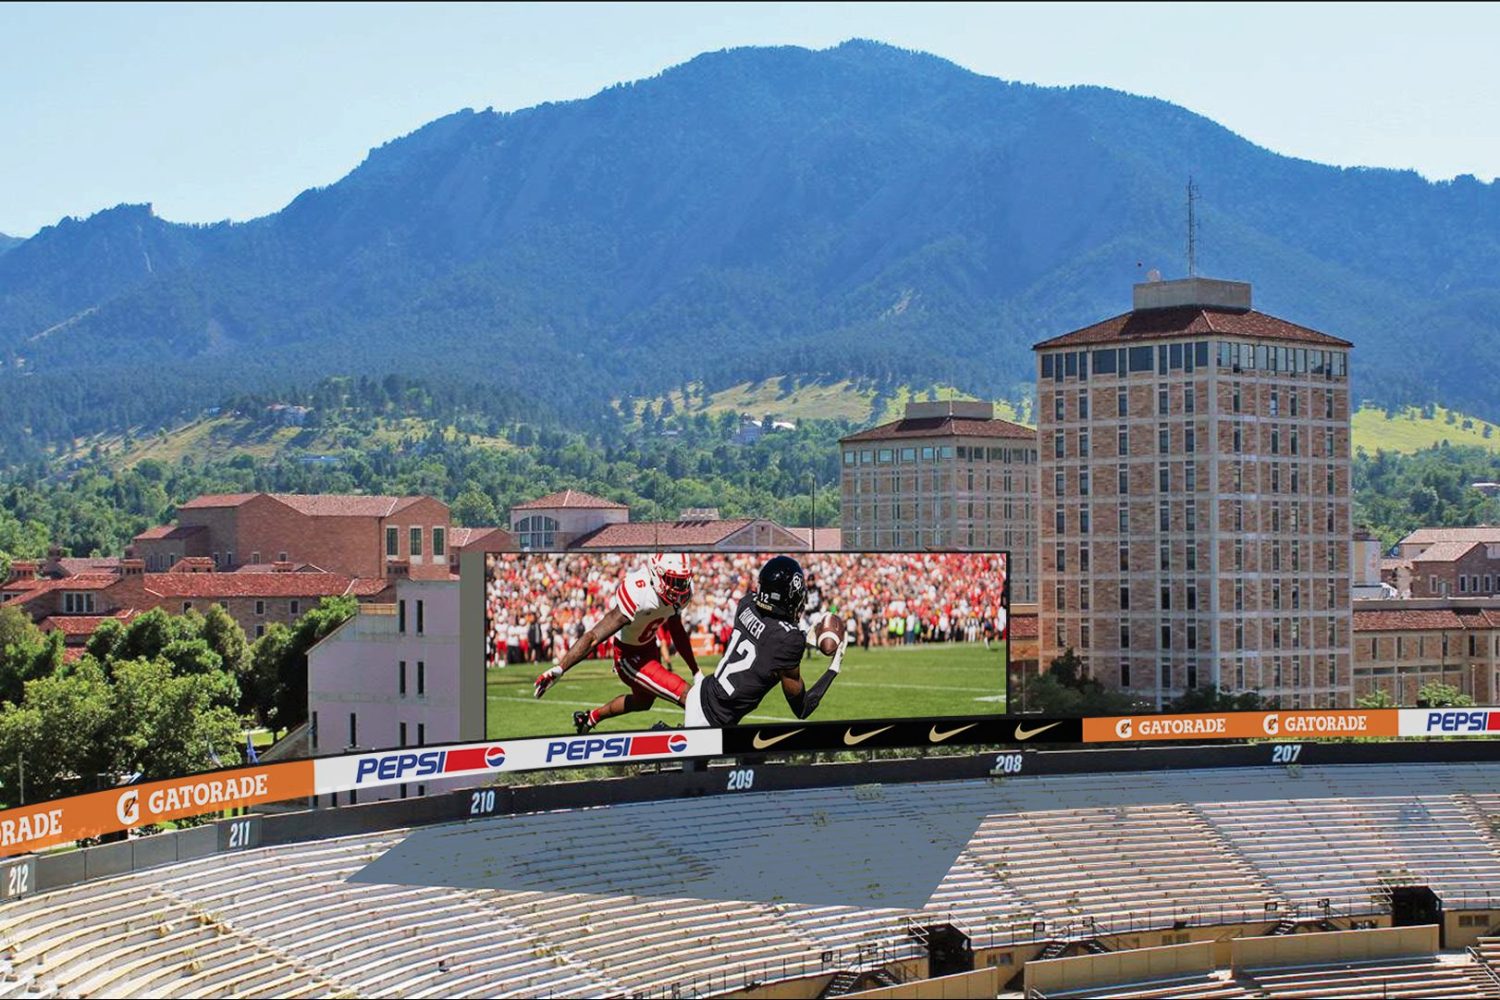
column 828, row 632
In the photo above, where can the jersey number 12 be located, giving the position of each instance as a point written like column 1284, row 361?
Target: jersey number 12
column 739, row 656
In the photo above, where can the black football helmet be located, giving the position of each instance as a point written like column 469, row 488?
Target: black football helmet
column 782, row 588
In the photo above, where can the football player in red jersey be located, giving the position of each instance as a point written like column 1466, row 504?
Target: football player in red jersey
column 647, row 600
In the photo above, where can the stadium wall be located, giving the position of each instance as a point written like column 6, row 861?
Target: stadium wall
column 271, row 828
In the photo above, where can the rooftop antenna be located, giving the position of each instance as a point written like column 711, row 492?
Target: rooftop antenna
column 1192, row 227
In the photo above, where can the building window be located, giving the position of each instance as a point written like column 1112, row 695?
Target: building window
column 1190, row 477
column 295, row 607
column 1190, row 439
column 421, row 737
column 402, row 730
column 421, row 617
column 1238, row 440
column 1083, row 483
column 1124, row 673
column 187, row 606
column 1192, row 673
column 312, row 731
column 1059, row 483
column 1060, row 597
column 1124, row 558
column 1083, row 405
column 1189, row 399
column 1057, row 408
column 1083, row 444
column 1166, row 635
column 1190, row 516
column 1161, row 401
column 401, row 617
column 260, row 607
column 439, row 543
column 1164, row 516
column 1083, row 557
column 1083, row 521
column 421, row 678
column 1124, row 635
column 1124, row 517
column 353, row 730
column 392, row 543
column 1192, row 556
column 260, row 629
column 415, row 542
column 1060, row 521
column 1163, row 439
column 1121, row 404
column 1166, row 597
column 536, row 532
column 1122, row 441
column 401, row 678
column 1163, row 477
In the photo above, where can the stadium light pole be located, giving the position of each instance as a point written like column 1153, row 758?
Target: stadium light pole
column 812, row 533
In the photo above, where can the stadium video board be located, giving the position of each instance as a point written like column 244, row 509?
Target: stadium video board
column 600, row 642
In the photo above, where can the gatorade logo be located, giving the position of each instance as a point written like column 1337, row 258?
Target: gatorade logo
column 1272, row 724
column 128, row 808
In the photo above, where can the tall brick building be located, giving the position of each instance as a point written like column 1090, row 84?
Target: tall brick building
column 360, row 536
column 1195, row 516
column 947, row 475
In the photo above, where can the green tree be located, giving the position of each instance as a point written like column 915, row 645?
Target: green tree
column 26, row 653
column 279, row 661
column 1379, row 698
column 474, row 509
column 1435, row 694
column 167, row 724
column 1217, row 700
column 63, row 732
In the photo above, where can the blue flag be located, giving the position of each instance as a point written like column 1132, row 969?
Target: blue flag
column 250, row 753
column 213, row 756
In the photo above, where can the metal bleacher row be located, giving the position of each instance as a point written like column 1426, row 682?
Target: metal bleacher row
column 1078, row 856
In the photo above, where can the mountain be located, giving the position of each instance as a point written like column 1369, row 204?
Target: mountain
column 859, row 211
column 9, row 242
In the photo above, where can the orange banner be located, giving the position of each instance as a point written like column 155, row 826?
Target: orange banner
column 31, row 828
column 1243, row 726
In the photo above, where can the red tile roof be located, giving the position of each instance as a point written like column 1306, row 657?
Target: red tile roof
column 215, row 586
column 1444, row 552
column 490, row 539
column 944, row 427
column 339, row 505
column 74, row 567
column 570, row 498
column 209, row 500
column 1431, row 536
column 170, row 531
column 312, row 504
column 1426, row 619
column 676, row 534
column 1191, row 321
column 74, row 626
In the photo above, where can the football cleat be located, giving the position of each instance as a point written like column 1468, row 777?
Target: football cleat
column 583, row 723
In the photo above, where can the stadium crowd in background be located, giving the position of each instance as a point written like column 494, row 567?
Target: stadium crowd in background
column 538, row 604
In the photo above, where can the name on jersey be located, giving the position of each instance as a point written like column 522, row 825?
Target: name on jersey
column 751, row 624
column 615, row 747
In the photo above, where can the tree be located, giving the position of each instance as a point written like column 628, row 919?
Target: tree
column 63, row 731
column 1435, row 694
column 1379, row 698
column 26, row 653
column 279, row 658
column 474, row 509
column 1217, row 700
column 167, row 724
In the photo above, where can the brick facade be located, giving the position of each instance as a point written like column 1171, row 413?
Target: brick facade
column 1195, row 514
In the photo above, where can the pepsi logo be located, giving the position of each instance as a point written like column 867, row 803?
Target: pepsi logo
column 677, row 743
column 494, row 757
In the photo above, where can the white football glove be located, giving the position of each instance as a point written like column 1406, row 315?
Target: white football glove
column 547, row 679
column 838, row 654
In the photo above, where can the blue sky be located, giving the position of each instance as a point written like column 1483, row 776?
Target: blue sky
column 214, row 112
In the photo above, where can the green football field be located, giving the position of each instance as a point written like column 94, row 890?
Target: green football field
column 879, row 683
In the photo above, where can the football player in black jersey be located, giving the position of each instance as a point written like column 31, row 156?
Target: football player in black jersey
column 764, row 650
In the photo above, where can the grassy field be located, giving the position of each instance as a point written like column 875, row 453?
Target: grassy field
column 895, row 682
column 835, row 401
column 1408, row 431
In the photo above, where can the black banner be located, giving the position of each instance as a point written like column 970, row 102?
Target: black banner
column 985, row 730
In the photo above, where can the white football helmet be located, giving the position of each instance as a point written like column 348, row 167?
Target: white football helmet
column 672, row 576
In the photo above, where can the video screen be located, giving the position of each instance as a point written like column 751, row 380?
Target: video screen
column 585, row 642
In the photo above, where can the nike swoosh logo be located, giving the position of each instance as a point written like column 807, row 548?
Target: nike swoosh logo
column 851, row 740
column 760, row 744
column 937, row 737
column 1022, row 733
